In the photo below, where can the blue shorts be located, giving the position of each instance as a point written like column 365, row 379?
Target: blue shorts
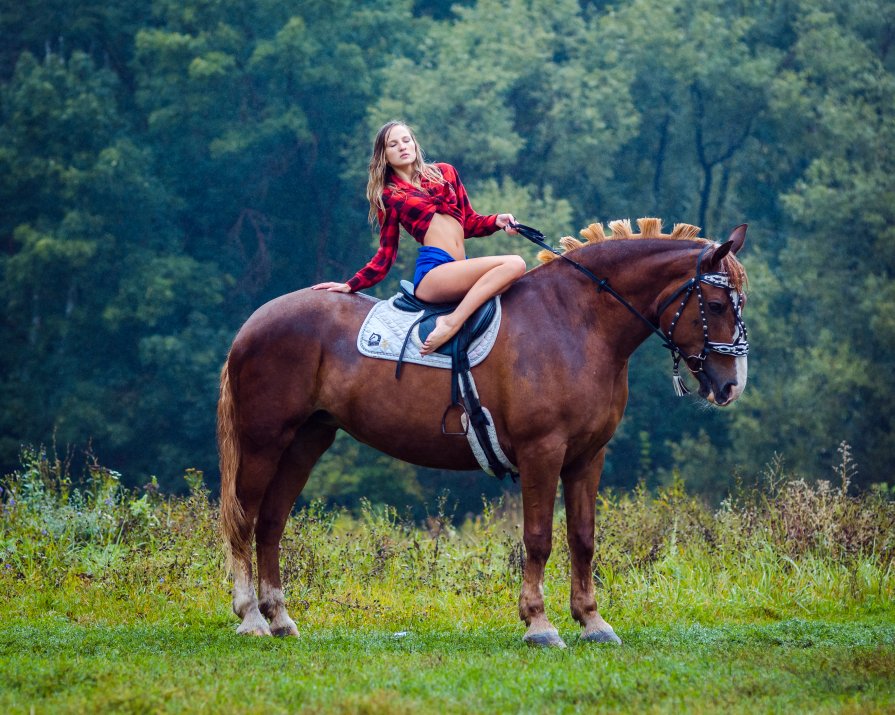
column 428, row 258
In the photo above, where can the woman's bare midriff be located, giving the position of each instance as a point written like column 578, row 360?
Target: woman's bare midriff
column 446, row 233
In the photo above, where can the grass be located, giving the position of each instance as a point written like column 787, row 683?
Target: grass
column 112, row 600
column 792, row 665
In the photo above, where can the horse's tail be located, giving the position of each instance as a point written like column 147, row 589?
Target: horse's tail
column 234, row 526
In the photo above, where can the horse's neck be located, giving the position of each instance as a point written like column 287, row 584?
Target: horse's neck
column 641, row 267
column 639, row 270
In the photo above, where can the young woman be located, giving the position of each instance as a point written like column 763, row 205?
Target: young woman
column 430, row 202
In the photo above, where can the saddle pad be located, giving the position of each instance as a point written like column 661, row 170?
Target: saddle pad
column 385, row 327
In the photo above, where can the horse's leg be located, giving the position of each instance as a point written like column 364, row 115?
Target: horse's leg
column 310, row 443
column 580, row 482
column 255, row 474
column 539, row 474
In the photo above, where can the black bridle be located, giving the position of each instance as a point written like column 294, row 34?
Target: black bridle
column 740, row 345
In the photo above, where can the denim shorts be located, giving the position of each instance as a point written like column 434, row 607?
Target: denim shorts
column 428, row 258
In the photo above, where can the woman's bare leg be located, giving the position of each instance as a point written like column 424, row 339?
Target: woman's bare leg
column 472, row 281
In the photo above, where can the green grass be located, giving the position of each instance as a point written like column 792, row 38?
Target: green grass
column 793, row 665
column 781, row 601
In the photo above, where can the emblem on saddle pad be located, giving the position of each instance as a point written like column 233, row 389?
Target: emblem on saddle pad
column 374, row 340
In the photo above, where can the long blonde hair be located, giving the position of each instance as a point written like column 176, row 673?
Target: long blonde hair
column 379, row 167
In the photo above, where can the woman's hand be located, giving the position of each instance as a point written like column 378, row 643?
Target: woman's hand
column 506, row 222
column 332, row 287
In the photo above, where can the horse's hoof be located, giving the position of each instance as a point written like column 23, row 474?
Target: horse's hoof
column 254, row 627
column 606, row 635
column 285, row 632
column 253, row 631
column 281, row 625
column 544, row 639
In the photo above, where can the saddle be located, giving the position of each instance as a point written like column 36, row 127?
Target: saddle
column 477, row 323
column 464, row 395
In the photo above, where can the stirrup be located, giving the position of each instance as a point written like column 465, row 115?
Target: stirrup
column 444, row 415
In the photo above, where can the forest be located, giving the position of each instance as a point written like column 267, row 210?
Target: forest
column 167, row 166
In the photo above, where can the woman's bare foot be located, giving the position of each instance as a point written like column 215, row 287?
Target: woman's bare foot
column 442, row 332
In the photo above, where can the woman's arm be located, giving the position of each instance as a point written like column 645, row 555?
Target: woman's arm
column 475, row 224
column 378, row 266
column 384, row 259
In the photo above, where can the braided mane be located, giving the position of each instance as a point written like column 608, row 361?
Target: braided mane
column 649, row 228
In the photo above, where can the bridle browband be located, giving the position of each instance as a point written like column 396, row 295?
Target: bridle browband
column 740, row 345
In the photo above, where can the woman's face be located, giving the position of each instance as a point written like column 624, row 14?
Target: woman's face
column 400, row 148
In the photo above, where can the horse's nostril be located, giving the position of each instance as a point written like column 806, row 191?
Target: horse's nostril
column 726, row 389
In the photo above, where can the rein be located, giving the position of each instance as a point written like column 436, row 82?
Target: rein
column 740, row 345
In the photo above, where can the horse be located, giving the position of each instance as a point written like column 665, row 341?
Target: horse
column 556, row 382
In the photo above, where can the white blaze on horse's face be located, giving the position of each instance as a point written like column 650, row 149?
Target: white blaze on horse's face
column 723, row 374
column 742, row 374
column 741, row 361
column 739, row 303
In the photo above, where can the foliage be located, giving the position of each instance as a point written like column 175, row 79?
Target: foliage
column 780, row 600
column 82, row 536
column 166, row 167
column 97, row 534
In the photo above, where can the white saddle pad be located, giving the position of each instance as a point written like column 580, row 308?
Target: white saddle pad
column 385, row 327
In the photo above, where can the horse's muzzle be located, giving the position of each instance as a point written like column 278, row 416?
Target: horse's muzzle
column 722, row 387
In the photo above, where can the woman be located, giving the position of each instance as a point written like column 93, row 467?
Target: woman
column 430, row 202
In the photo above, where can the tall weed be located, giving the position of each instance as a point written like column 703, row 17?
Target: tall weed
column 92, row 549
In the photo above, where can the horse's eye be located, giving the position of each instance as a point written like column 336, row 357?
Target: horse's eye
column 716, row 307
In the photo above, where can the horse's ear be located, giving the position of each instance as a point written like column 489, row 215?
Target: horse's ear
column 738, row 237
column 732, row 245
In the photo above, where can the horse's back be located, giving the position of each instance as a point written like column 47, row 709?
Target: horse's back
column 304, row 315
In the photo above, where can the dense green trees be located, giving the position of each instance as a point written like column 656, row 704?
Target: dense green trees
column 168, row 167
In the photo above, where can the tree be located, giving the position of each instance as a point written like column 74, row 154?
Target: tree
column 96, row 290
column 166, row 167
column 833, row 378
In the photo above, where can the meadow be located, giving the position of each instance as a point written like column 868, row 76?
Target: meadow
column 779, row 600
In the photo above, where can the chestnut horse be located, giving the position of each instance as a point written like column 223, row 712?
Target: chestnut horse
column 556, row 383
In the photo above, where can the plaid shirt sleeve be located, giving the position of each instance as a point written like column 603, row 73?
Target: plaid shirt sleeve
column 473, row 224
column 380, row 264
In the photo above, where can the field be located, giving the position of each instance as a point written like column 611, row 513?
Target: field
column 779, row 601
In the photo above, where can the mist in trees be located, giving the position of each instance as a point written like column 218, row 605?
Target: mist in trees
column 166, row 168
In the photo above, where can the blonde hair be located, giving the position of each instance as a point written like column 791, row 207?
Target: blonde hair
column 379, row 167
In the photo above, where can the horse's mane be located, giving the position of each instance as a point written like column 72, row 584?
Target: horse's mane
column 649, row 228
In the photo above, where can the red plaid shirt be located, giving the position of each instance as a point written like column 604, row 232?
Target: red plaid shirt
column 413, row 208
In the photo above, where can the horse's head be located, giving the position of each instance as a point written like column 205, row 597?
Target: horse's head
column 702, row 320
column 699, row 320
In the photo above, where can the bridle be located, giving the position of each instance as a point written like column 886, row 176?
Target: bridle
column 740, row 345
column 738, row 348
